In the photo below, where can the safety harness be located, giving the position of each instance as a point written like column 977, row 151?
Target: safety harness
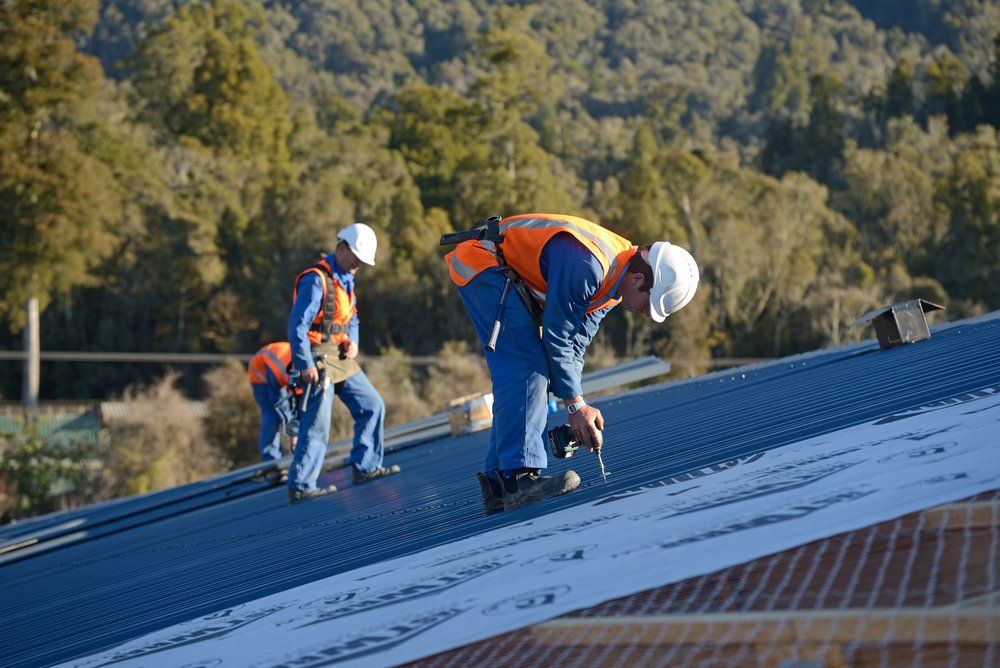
column 328, row 329
column 487, row 231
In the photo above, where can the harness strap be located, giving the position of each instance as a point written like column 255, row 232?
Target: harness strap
column 524, row 292
column 328, row 328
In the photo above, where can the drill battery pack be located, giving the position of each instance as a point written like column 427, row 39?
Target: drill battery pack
column 562, row 441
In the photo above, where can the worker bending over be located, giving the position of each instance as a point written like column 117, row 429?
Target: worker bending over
column 575, row 272
column 269, row 372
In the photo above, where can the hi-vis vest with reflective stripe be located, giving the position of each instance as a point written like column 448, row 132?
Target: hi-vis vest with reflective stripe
column 274, row 357
column 524, row 238
column 331, row 324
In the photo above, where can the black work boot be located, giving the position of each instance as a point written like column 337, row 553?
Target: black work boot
column 273, row 477
column 492, row 494
column 300, row 495
column 522, row 489
column 360, row 477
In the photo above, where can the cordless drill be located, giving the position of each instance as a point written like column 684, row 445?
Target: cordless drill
column 563, row 443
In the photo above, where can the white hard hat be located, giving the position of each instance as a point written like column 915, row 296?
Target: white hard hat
column 361, row 240
column 675, row 279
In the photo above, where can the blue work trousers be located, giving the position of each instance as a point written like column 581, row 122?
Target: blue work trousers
column 520, row 372
column 269, row 441
column 367, row 409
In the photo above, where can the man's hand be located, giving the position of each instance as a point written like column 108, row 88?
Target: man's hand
column 310, row 376
column 349, row 349
column 587, row 424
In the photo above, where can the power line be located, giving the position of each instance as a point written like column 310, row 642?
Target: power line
column 218, row 358
column 76, row 356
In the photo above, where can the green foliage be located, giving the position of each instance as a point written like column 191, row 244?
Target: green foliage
column 56, row 202
column 782, row 81
column 816, row 162
column 969, row 254
column 965, row 27
column 890, row 197
column 43, row 77
column 504, row 168
column 38, row 475
column 202, row 76
column 648, row 206
column 519, row 78
column 817, row 147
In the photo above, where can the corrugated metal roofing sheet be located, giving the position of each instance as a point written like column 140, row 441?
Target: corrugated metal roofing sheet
column 58, row 530
column 145, row 575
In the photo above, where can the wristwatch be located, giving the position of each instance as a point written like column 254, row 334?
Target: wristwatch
column 575, row 406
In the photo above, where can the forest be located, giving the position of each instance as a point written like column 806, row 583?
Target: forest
column 169, row 166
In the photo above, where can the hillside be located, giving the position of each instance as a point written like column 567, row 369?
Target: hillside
column 819, row 158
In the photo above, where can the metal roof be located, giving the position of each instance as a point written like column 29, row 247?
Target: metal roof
column 137, row 565
column 57, row 530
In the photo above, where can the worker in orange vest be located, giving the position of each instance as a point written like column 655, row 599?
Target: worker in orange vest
column 573, row 272
column 269, row 373
column 323, row 332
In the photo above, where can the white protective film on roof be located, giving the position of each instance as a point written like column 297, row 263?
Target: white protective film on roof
column 448, row 596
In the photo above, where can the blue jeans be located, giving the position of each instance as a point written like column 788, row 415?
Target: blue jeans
column 269, row 441
column 520, row 372
column 367, row 409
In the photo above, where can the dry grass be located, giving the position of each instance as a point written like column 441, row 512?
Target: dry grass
column 233, row 416
column 392, row 376
column 457, row 373
column 160, row 443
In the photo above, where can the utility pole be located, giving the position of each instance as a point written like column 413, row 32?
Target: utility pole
column 32, row 357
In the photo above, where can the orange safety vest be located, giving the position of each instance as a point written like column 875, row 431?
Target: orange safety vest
column 525, row 236
column 332, row 321
column 274, row 357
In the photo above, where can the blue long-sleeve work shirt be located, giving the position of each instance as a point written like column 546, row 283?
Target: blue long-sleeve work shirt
column 307, row 304
column 573, row 276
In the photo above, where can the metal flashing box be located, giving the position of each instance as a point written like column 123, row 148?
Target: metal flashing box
column 903, row 322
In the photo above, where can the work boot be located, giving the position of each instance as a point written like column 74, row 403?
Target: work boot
column 273, row 477
column 360, row 477
column 492, row 494
column 529, row 487
column 276, row 477
column 300, row 495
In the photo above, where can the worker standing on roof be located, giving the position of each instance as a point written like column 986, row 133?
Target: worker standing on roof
column 323, row 332
column 269, row 372
column 574, row 272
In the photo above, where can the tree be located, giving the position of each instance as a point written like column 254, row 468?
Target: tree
column 816, row 148
column 946, row 79
column 781, row 80
column 980, row 101
column 480, row 156
column 202, row 75
column 889, row 196
column 57, row 207
column 226, row 124
column 433, row 129
column 969, row 256
column 646, row 212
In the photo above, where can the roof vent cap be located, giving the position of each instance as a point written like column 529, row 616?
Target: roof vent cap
column 903, row 322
